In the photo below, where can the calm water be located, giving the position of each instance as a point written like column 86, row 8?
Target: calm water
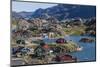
column 88, row 52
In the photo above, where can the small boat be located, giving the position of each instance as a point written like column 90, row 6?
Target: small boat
column 79, row 49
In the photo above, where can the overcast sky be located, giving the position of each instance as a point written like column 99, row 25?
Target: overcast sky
column 29, row 6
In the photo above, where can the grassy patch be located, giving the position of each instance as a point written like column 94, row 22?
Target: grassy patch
column 70, row 46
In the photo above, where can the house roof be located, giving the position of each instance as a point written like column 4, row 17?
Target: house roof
column 46, row 46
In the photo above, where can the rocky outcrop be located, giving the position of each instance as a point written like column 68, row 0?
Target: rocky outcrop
column 85, row 40
column 91, row 27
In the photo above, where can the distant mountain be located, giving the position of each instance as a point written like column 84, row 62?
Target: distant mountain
column 18, row 15
column 25, row 14
column 61, row 12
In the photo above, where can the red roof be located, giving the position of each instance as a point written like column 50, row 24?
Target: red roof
column 60, row 40
column 64, row 58
column 46, row 46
